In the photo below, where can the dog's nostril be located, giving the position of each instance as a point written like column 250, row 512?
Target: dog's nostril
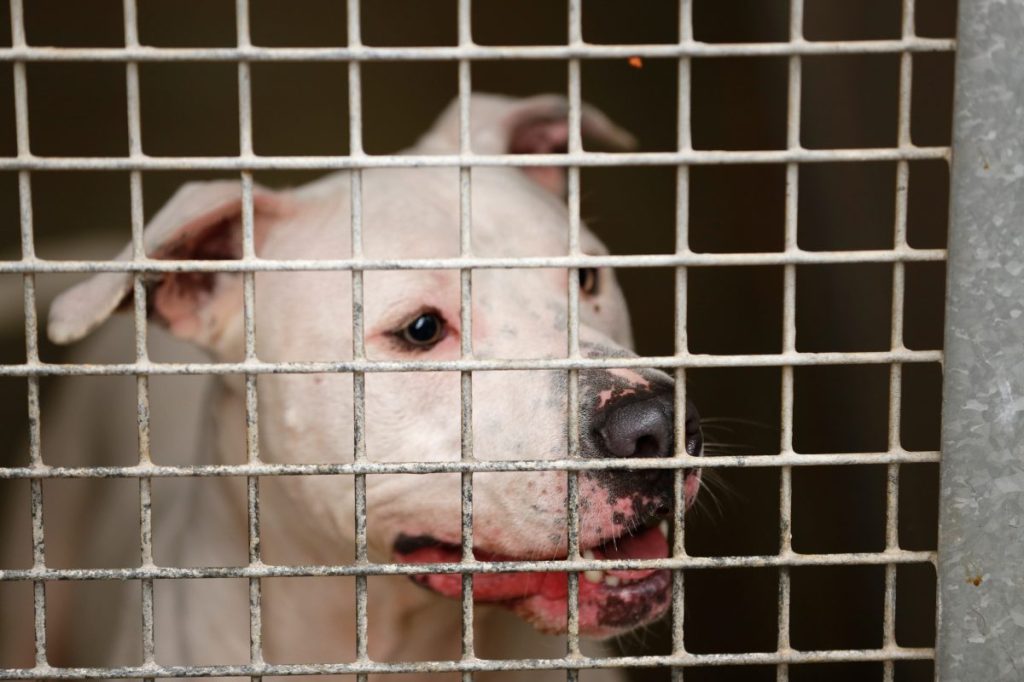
column 647, row 446
column 641, row 428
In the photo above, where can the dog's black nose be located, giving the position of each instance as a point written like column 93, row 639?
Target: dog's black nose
column 643, row 428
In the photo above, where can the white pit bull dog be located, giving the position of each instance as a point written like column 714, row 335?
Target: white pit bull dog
column 414, row 416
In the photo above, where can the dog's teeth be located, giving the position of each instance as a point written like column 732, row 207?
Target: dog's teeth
column 611, row 580
column 588, row 555
column 663, row 527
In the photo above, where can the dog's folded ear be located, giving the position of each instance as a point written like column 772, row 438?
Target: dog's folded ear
column 532, row 125
column 202, row 221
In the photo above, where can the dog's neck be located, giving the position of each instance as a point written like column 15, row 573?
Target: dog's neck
column 314, row 618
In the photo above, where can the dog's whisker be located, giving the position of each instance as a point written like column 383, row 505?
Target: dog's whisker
column 726, row 444
column 713, row 488
column 708, row 421
column 717, row 428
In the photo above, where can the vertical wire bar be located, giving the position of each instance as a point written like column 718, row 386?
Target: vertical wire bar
column 684, row 143
column 131, row 40
column 896, row 342
column 249, row 321
column 28, row 254
column 355, row 114
column 466, row 326
column 789, row 335
column 575, row 146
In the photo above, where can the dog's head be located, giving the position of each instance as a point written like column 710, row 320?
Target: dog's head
column 414, row 314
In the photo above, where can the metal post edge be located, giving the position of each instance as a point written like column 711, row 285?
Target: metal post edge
column 981, row 527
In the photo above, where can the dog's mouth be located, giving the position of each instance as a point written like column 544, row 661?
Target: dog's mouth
column 610, row 601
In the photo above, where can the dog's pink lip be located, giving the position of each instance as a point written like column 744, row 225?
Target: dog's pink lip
column 541, row 596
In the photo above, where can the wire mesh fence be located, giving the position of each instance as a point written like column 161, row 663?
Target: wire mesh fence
column 683, row 159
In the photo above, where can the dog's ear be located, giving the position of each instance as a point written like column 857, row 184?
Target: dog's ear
column 202, row 221
column 533, row 125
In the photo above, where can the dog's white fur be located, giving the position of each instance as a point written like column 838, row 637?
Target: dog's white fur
column 407, row 213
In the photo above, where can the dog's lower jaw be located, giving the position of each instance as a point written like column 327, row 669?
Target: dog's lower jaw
column 607, row 616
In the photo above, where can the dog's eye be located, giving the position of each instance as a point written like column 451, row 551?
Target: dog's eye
column 588, row 280
column 423, row 332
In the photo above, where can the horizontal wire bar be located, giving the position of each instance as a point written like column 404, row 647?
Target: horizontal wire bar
column 348, row 366
column 262, row 570
column 252, row 162
column 680, row 461
column 256, row 53
column 692, row 259
column 577, row 662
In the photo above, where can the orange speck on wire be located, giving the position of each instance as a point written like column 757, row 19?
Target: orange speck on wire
column 636, row 62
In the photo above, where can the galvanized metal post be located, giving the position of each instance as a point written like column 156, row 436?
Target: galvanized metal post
column 981, row 534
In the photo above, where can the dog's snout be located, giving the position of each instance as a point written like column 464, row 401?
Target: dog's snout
column 644, row 428
column 639, row 428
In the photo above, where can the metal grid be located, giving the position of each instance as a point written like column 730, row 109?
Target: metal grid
column 354, row 54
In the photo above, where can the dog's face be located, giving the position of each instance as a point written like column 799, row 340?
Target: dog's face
column 415, row 416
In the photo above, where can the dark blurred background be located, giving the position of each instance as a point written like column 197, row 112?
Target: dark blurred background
column 79, row 109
